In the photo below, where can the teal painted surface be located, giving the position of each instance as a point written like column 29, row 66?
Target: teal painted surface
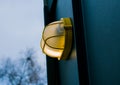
column 68, row 69
column 102, row 25
column 49, row 3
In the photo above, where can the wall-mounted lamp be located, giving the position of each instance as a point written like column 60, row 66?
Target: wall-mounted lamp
column 57, row 39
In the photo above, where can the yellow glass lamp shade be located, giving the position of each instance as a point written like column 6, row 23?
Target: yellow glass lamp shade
column 57, row 39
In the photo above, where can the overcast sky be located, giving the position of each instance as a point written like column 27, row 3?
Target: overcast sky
column 21, row 25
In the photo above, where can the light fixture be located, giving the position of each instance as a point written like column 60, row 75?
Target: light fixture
column 56, row 39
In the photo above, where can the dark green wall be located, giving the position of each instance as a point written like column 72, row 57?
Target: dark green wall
column 68, row 69
column 102, row 26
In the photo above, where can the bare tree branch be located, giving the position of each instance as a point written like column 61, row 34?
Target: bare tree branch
column 26, row 72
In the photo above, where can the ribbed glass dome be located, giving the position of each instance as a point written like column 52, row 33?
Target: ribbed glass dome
column 53, row 39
